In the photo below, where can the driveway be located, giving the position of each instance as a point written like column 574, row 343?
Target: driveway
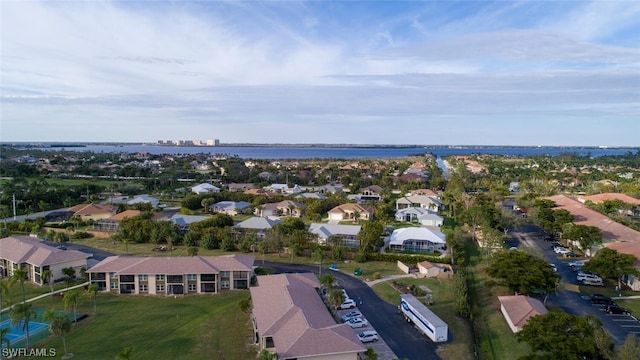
column 403, row 339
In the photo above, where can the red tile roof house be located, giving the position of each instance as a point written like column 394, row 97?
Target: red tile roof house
column 348, row 212
column 282, row 208
column 517, row 309
column 291, row 320
column 36, row 257
column 93, row 211
column 180, row 275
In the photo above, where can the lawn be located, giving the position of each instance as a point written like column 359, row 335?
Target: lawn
column 190, row 327
column 495, row 339
column 460, row 346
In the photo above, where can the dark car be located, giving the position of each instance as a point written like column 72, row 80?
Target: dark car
column 601, row 299
column 615, row 309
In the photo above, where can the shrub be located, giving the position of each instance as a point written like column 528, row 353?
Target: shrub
column 377, row 275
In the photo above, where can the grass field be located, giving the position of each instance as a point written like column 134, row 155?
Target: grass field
column 190, row 327
column 460, row 346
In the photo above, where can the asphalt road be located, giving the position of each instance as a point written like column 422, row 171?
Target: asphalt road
column 572, row 302
column 403, row 339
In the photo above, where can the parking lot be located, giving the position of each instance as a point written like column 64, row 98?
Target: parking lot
column 624, row 320
column 380, row 346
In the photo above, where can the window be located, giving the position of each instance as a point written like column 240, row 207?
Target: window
column 113, row 275
column 159, row 288
column 224, row 284
column 114, row 285
column 142, row 277
column 143, row 288
column 192, row 277
column 159, row 277
column 192, row 287
column 224, row 274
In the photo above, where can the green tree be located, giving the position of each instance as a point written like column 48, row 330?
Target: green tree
column 4, row 339
column 47, row 275
column 125, row 354
column 609, row 263
column 559, row 335
column 92, row 291
column 522, row 273
column 370, row 354
column 266, row 355
column 629, row 350
column 70, row 299
column 327, row 281
column 370, row 235
column 586, row 236
column 59, row 325
column 69, row 275
column 22, row 313
column 336, row 297
column 318, row 255
column 20, row 275
column 192, row 251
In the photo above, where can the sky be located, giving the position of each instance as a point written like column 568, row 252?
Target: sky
column 530, row 73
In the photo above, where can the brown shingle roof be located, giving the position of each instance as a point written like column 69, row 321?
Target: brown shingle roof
column 288, row 308
column 125, row 214
column 520, row 308
column 91, row 209
column 135, row 265
column 599, row 198
column 22, row 249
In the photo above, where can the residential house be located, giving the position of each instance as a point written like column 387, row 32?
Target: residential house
column 234, row 187
column 417, row 239
column 231, row 208
column 205, row 188
column 422, row 201
column 178, row 275
column 138, row 199
column 518, row 309
column 257, row 225
column 420, row 215
column 427, row 192
column 93, row 211
column 36, row 257
column 284, row 189
column 290, row 319
column 371, row 193
column 350, row 211
column 184, row 221
column 347, row 234
column 330, row 188
column 257, row 192
column 308, row 195
column 282, row 208
column 112, row 224
column 600, row 198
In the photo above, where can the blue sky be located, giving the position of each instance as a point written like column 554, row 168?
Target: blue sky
column 363, row 72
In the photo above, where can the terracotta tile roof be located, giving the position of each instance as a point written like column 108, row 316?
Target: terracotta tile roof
column 599, row 198
column 288, row 308
column 135, row 265
column 91, row 209
column 520, row 308
column 23, row 249
column 582, row 215
column 351, row 207
column 125, row 214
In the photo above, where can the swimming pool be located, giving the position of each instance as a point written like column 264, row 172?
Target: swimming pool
column 17, row 331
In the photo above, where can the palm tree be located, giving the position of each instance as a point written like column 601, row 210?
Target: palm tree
column 125, row 354
column 22, row 312
column 71, row 299
column 336, row 297
column 93, row 296
column 4, row 289
column 318, row 255
column 48, row 276
column 192, row 251
column 4, row 339
column 20, row 276
column 60, row 325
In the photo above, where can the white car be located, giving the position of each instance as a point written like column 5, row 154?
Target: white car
column 350, row 314
column 561, row 250
column 347, row 304
column 358, row 322
column 582, row 276
column 554, row 267
column 368, row 336
column 576, row 263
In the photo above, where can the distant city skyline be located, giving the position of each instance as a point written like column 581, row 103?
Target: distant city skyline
column 523, row 73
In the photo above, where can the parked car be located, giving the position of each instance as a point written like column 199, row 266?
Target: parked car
column 569, row 254
column 593, row 281
column 576, row 263
column 347, row 304
column 351, row 314
column 586, row 275
column 615, row 309
column 358, row 322
column 554, row 267
column 561, row 250
column 368, row 336
column 600, row 299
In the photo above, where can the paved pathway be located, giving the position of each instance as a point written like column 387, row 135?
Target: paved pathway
column 48, row 294
column 387, row 278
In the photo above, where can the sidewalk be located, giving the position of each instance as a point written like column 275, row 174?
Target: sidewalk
column 48, row 294
column 387, row 278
